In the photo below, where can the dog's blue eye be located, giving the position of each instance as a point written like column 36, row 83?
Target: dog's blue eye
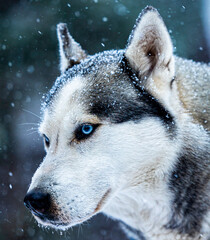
column 87, row 129
column 84, row 131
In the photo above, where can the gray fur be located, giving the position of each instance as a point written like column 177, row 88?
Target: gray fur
column 193, row 92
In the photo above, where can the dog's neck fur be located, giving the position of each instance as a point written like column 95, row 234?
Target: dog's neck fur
column 193, row 93
column 139, row 210
column 160, row 217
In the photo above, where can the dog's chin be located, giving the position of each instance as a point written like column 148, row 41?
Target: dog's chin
column 59, row 224
column 56, row 224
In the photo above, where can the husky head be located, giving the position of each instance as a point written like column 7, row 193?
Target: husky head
column 107, row 124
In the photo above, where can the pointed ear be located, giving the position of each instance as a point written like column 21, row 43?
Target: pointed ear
column 71, row 52
column 149, row 46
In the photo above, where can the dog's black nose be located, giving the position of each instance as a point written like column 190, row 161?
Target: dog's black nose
column 37, row 202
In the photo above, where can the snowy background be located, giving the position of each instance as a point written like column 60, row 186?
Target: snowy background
column 28, row 67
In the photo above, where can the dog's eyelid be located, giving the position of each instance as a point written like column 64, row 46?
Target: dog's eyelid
column 80, row 124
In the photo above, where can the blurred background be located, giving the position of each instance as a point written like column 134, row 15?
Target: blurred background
column 28, row 67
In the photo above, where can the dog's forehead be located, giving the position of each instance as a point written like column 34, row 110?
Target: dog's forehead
column 90, row 67
column 65, row 106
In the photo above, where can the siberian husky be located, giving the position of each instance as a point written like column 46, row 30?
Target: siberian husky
column 126, row 133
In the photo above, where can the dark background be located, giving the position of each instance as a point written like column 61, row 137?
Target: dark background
column 28, row 67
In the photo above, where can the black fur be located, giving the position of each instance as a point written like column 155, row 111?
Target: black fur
column 189, row 185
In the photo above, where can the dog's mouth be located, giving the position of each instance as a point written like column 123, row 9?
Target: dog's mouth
column 57, row 220
column 103, row 201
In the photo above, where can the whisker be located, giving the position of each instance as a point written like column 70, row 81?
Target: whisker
column 31, row 129
column 80, row 230
column 31, row 133
column 23, row 124
column 34, row 114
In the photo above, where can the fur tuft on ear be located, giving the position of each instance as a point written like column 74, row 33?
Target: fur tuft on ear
column 149, row 46
column 71, row 52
